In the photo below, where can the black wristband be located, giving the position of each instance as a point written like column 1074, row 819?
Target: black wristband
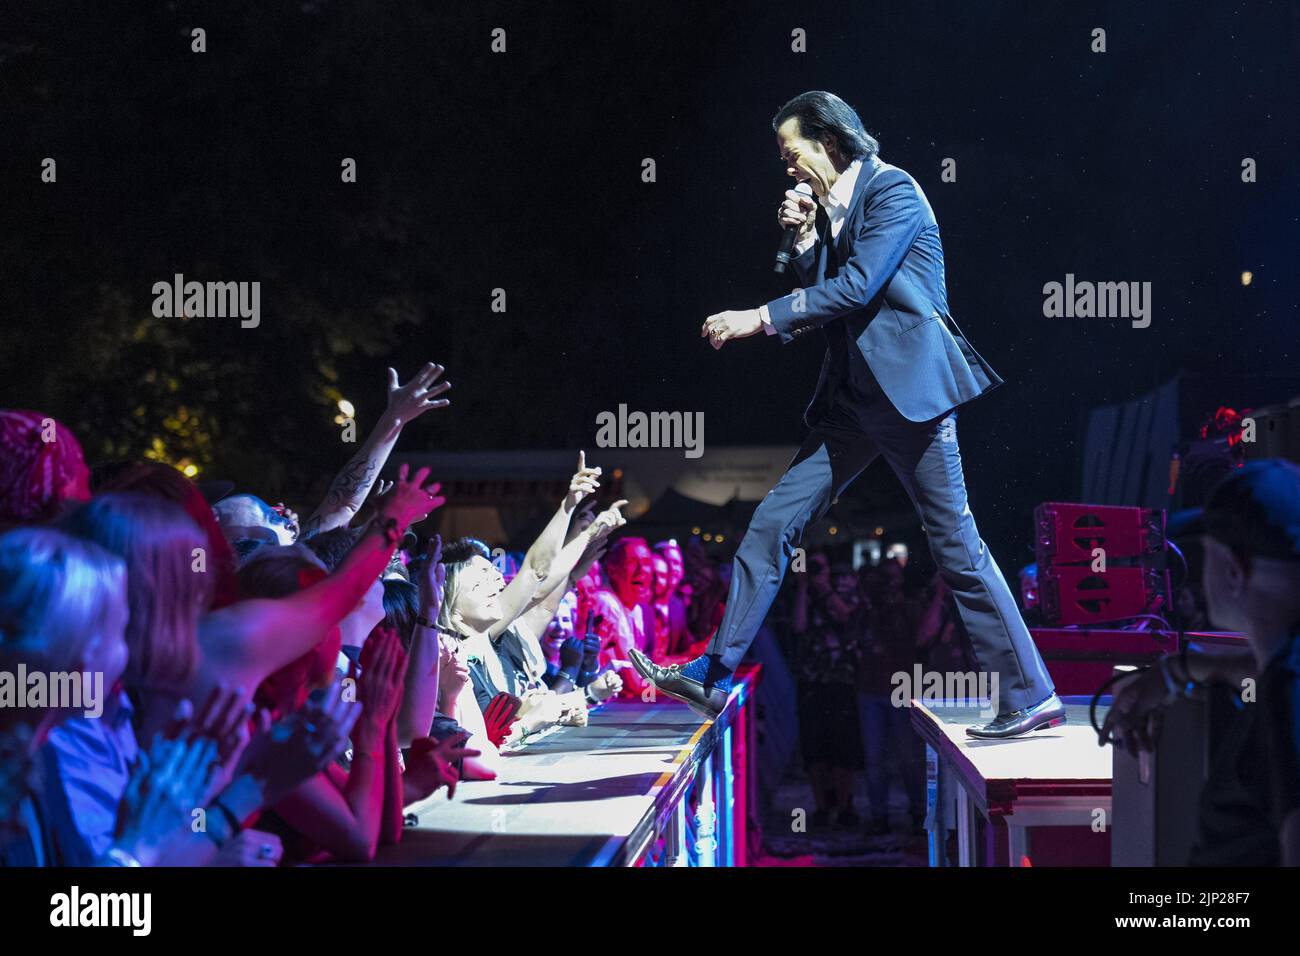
column 227, row 819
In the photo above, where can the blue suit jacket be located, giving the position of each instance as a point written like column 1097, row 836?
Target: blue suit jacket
column 882, row 293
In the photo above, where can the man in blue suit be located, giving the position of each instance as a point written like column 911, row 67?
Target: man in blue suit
column 896, row 370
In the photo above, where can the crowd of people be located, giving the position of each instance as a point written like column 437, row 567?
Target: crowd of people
column 193, row 676
column 223, row 682
column 190, row 675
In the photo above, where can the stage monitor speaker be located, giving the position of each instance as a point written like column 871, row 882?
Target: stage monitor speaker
column 1067, row 533
column 1075, row 595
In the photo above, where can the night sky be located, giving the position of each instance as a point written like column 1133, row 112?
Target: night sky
column 522, row 171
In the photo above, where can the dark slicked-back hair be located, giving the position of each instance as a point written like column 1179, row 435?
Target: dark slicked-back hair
column 824, row 116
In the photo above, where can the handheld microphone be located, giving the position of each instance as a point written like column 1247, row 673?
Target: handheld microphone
column 790, row 235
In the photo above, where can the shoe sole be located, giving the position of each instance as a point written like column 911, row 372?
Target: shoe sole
column 1045, row 725
column 707, row 715
column 699, row 711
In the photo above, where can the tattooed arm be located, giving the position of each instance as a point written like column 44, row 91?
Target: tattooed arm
column 248, row 640
column 352, row 484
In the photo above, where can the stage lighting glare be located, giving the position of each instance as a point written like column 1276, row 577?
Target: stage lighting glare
column 347, row 408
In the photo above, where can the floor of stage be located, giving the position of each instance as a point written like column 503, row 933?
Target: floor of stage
column 572, row 798
column 1067, row 752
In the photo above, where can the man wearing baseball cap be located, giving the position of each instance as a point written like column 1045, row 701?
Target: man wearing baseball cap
column 1250, row 805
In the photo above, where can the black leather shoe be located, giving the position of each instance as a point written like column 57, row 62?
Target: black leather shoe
column 1044, row 714
column 707, row 702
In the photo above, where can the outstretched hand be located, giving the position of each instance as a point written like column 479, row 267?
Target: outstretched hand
column 609, row 520
column 410, row 500
column 585, row 482
column 721, row 327
column 410, row 401
column 432, row 764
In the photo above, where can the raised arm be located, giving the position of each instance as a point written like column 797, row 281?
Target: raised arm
column 567, row 560
column 421, row 698
column 537, row 617
column 345, row 814
column 258, row 637
column 464, row 709
column 348, row 491
column 527, row 585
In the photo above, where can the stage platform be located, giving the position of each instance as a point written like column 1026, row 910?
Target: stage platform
column 613, row 793
column 1034, row 800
